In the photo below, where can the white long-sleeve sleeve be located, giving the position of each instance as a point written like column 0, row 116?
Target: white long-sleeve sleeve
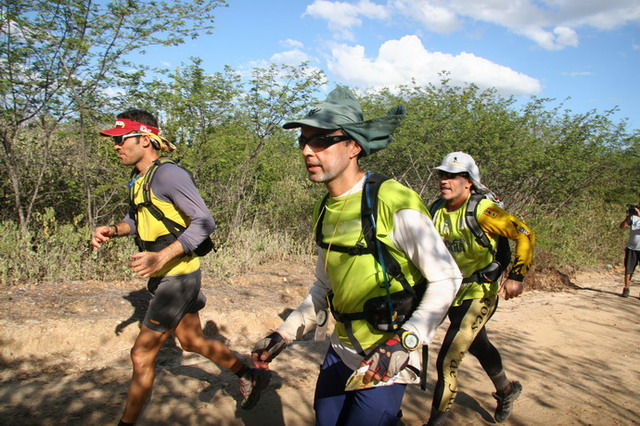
column 414, row 234
column 303, row 319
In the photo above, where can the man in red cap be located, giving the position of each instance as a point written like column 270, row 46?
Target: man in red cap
column 169, row 243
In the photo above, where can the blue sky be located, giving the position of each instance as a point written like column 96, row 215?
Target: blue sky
column 586, row 50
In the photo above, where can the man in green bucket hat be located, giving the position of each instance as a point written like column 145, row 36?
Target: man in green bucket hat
column 377, row 250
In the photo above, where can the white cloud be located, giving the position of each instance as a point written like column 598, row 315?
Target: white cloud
column 292, row 43
column 293, row 56
column 559, row 38
column 551, row 24
column 565, row 36
column 112, row 92
column 603, row 15
column 400, row 61
column 289, row 57
column 433, row 17
column 342, row 17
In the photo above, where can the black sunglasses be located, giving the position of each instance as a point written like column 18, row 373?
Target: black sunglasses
column 321, row 142
column 447, row 175
column 119, row 140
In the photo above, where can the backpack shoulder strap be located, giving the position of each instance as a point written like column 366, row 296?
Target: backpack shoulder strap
column 369, row 220
column 435, row 206
column 368, row 212
column 369, row 217
column 173, row 227
column 369, row 207
column 471, row 218
column 148, row 177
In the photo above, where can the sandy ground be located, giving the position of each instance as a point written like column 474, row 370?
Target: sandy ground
column 64, row 356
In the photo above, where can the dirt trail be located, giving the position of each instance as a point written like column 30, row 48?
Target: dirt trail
column 64, row 356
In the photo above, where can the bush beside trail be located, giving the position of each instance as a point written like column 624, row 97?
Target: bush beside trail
column 567, row 175
column 61, row 252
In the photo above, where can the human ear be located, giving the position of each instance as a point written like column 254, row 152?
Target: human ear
column 354, row 149
column 468, row 184
column 145, row 140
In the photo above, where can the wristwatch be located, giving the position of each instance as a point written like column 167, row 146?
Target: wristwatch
column 321, row 318
column 410, row 340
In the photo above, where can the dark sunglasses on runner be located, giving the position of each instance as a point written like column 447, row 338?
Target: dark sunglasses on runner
column 447, row 175
column 119, row 140
column 321, row 142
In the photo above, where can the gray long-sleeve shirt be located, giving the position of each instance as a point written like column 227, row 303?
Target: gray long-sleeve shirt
column 174, row 185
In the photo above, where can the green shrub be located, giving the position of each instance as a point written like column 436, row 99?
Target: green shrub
column 61, row 252
column 54, row 251
column 584, row 236
column 249, row 247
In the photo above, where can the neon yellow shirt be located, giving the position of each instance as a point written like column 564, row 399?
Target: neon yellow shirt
column 470, row 256
column 356, row 279
column 149, row 229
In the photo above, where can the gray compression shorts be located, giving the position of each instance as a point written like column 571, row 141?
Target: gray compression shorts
column 173, row 297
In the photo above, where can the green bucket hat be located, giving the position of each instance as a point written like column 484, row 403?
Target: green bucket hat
column 341, row 110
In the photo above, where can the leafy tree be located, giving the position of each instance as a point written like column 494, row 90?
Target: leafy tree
column 229, row 134
column 274, row 94
column 536, row 156
column 59, row 57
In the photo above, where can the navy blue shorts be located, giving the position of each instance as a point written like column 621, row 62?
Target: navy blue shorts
column 173, row 297
column 631, row 259
column 334, row 406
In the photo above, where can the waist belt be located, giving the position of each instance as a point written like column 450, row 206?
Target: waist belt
column 157, row 245
column 165, row 240
column 488, row 274
column 375, row 310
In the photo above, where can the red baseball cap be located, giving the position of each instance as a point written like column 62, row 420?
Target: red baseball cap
column 124, row 126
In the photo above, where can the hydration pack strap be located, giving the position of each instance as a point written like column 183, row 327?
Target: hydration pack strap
column 369, row 210
column 425, row 364
column 471, row 219
column 175, row 229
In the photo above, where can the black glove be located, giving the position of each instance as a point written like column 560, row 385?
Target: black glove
column 273, row 344
column 388, row 359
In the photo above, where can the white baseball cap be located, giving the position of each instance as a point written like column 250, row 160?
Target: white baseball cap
column 461, row 162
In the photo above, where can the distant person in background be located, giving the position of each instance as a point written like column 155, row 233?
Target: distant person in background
column 171, row 224
column 632, row 252
column 478, row 255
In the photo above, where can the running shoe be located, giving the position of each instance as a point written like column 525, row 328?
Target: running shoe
column 252, row 383
column 505, row 402
column 625, row 292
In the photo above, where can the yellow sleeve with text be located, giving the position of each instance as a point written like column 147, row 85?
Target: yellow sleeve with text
column 497, row 221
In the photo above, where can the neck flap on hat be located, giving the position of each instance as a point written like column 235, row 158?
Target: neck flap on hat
column 375, row 134
column 341, row 110
column 372, row 135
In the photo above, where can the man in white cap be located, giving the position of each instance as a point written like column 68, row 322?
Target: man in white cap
column 171, row 224
column 375, row 332
column 474, row 244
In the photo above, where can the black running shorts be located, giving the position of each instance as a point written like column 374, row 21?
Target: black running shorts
column 631, row 259
column 173, row 297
